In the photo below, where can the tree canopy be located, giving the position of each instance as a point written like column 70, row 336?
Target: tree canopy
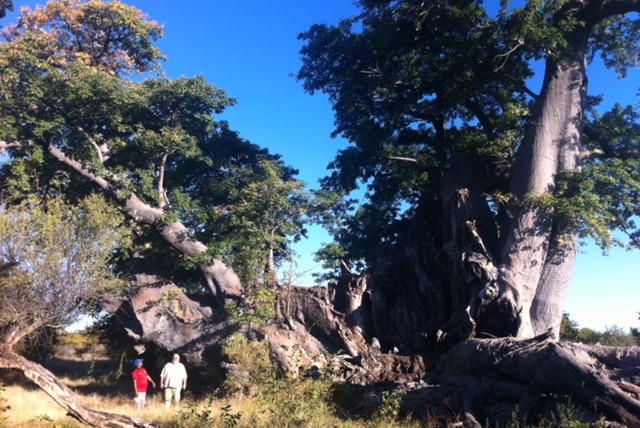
column 446, row 133
column 416, row 87
column 85, row 106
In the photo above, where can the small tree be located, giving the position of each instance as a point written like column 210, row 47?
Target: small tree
column 265, row 214
column 56, row 264
column 569, row 329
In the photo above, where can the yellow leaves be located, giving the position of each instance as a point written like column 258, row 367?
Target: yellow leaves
column 109, row 37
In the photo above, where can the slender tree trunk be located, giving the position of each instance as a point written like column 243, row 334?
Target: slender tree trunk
column 271, row 271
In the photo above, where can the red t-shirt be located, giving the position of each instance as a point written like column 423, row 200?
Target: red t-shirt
column 140, row 378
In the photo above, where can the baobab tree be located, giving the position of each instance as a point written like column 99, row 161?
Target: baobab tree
column 478, row 186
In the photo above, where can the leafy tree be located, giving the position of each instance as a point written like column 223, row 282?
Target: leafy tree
column 477, row 187
column 611, row 336
column 56, row 262
column 569, row 329
column 262, row 216
column 74, row 119
column 84, row 108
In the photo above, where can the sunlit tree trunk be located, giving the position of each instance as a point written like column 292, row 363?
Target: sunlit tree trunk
column 530, row 267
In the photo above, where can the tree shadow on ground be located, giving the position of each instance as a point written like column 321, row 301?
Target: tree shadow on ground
column 101, row 376
column 92, row 376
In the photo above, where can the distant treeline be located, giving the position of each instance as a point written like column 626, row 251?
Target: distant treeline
column 611, row 336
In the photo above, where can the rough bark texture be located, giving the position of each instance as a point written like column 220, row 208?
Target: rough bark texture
column 64, row 396
column 551, row 145
column 523, row 372
column 159, row 312
column 475, row 381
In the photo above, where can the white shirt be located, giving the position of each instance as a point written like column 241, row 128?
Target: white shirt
column 173, row 375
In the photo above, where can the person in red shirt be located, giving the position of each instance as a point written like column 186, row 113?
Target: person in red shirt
column 141, row 381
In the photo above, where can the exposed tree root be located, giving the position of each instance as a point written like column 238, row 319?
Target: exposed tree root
column 491, row 379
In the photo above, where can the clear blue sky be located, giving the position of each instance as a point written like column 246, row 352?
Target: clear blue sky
column 250, row 49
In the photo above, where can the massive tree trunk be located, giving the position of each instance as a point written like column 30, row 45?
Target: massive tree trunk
column 454, row 274
column 529, row 255
column 63, row 395
column 159, row 312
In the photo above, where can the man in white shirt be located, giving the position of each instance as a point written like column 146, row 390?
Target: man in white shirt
column 173, row 379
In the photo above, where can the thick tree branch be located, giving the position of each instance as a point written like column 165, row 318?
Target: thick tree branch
column 482, row 117
column 4, row 145
column 220, row 278
column 102, row 150
column 618, row 7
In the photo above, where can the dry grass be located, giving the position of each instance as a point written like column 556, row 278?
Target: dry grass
column 281, row 403
column 25, row 405
column 32, row 408
column 29, row 407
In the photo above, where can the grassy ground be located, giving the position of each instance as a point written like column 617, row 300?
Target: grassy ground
column 23, row 405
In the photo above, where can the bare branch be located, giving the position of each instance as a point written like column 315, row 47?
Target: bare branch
column 501, row 59
column 162, row 192
column 103, row 183
column 402, row 158
column 591, row 154
column 4, row 145
column 102, row 150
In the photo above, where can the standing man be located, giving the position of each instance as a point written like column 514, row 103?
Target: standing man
column 141, row 381
column 173, row 379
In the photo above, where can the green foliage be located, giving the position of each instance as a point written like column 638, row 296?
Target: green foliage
column 255, row 373
column 565, row 414
column 120, row 37
column 408, row 83
column 228, row 418
column 389, row 409
column 266, row 214
column 260, row 306
column 611, row 336
column 569, row 329
column 193, row 417
column 416, row 87
column 66, row 84
column 312, row 401
column 252, row 365
column 60, row 254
